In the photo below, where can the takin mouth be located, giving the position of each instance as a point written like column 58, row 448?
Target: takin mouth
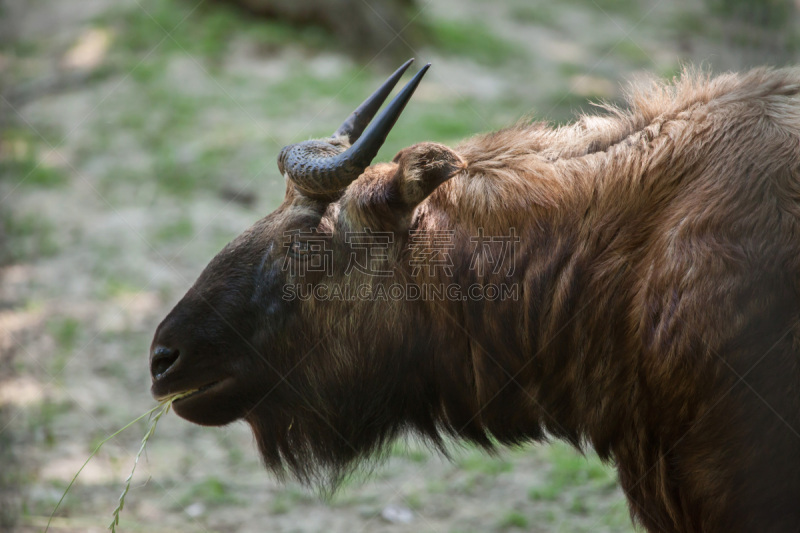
column 178, row 397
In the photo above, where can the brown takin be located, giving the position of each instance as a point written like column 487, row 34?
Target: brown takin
column 630, row 282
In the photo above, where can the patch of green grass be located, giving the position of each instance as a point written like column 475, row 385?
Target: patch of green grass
column 471, row 39
column 96, row 440
column 235, row 455
column 351, row 499
column 470, row 485
column 29, row 172
column 486, row 464
column 294, row 92
column 65, row 332
column 567, row 70
column 169, row 26
column 280, row 505
column 20, row 47
column 42, row 504
column 670, row 72
column 145, row 26
column 211, row 491
column 579, row 505
column 627, row 50
column 764, row 13
column 178, row 164
column 547, row 493
column 41, row 420
column 287, row 499
column 29, row 236
column 617, row 516
column 514, row 519
column 147, row 71
column 173, row 126
column 21, row 163
column 418, row 455
column 688, row 23
column 276, row 34
column 114, row 369
column 177, row 230
column 11, row 476
column 564, row 106
column 115, row 285
column 793, row 41
column 149, row 32
column 627, row 7
column 414, row 501
column 408, row 450
column 451, row 124
column 176, row 176
column 623, row 7
column 572, row 470
column 436, row 486
column 213, row 32
column 542, row 14
column 178, row 112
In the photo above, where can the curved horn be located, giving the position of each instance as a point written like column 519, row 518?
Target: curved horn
column 320, row 168
column 354, row 126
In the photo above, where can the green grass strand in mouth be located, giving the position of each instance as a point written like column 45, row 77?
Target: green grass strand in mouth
column 164, row 406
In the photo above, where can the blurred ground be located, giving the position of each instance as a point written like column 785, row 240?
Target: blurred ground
column 139, row 136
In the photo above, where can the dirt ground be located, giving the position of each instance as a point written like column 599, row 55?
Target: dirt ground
column 139, row 136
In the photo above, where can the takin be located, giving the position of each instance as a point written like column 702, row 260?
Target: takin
column 629, row 283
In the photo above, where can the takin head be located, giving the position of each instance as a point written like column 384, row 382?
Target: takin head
column 299, row 370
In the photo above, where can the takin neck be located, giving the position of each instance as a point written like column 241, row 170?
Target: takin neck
column 542, row 251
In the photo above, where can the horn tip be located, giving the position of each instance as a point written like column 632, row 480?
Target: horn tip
column 405, row 65
column 422, row 71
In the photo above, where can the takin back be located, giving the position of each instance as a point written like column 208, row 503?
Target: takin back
column 629, row 282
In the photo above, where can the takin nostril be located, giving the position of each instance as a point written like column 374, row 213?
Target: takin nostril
column 162, row 360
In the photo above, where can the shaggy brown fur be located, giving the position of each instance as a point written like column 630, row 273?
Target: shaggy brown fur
column 656, row 318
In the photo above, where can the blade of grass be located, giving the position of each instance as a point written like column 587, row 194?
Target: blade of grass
column 97, row 449
column 164, row 405
column 165, row 408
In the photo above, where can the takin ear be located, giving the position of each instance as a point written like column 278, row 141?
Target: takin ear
column 387, row 193
column 420, row 169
